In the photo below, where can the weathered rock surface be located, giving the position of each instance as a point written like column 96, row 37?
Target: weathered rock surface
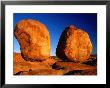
column 34, row 40
column 49, row 61
column 18, row 58
column 22, row 65
column 44, row 72
column 82, row 72
column 72, row 66
column 50, row 67
column 25, row 66
column 74, row 45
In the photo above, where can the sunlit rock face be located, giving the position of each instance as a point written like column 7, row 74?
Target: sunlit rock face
column 34, row 40
column 74, row 45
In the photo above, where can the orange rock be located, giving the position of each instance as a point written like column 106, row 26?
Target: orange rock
column 34, row 39
column 18, row 58
column 25, row 66
column 22, row 65
column 49, row 61
column 74, row 45
column 89, row 72
column 82, row 72
column 43, row 72
column 72, row 66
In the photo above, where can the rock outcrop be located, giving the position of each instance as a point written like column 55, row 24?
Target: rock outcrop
column 51, row 67
column 22, row 65
column 50, row 61
column 43, row 72
column 74, row 45
column 72, row 68
column 34, row 40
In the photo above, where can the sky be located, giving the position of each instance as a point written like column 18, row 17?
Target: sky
column 56, row 24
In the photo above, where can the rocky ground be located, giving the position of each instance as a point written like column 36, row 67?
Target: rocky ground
column 73, row 49
column 54, row 66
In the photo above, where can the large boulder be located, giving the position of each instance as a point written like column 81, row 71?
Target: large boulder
column 74, row 45
column 34, row 40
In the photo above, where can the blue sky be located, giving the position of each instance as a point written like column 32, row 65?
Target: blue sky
column 57, row 22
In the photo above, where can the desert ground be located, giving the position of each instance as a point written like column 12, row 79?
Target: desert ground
column 54, row 66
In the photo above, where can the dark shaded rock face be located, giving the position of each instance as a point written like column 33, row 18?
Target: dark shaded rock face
column 74, row 45
column 34, row 40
